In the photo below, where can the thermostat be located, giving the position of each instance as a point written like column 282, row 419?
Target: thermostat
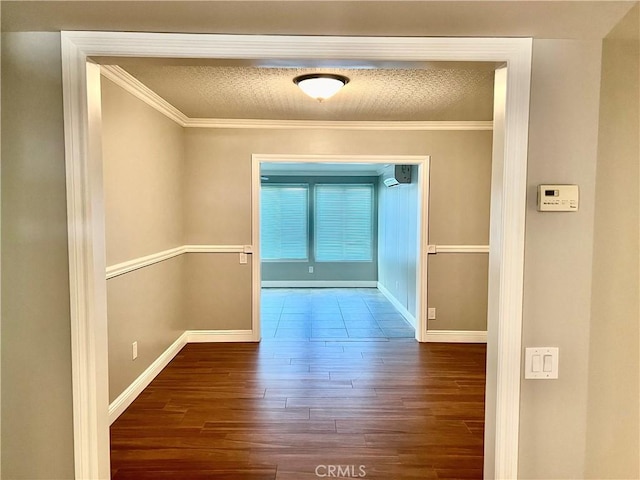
column 558, row 198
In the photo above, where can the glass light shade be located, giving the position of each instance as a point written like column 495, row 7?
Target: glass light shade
column 320, row 86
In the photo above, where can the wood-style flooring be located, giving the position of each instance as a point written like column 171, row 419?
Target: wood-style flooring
column 302, row 409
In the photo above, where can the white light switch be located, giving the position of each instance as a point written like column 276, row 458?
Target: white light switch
column 536, row 364
column 243, row 257
column 431, row 313
column 541, row 363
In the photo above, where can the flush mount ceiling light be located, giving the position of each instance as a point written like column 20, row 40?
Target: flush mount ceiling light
column 321, row 85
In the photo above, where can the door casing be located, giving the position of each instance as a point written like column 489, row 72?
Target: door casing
column 83, row 156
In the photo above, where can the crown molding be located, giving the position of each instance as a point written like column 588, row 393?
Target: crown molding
column 132, row 85
column 135, row 87
column 338, row 125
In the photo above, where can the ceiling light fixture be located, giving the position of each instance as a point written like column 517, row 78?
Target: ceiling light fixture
column 321, row 85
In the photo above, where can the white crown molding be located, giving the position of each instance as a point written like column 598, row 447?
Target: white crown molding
column 128, row 82
column 338, row 125
column 457, row 336
column 462, row 248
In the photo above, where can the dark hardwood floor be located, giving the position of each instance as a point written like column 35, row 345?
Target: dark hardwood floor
column 303, row 409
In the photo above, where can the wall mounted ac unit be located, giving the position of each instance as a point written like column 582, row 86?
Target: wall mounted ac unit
column 394, row 175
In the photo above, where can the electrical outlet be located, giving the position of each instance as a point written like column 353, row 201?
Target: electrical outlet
column 134, row 350
column 431, row 313
column 311, row 269
column 243, row 258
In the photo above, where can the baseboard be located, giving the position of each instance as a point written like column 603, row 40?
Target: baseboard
column 456, row 336
column 213, row 336
column 126, row 398
column 319, row 284
column 401, row 308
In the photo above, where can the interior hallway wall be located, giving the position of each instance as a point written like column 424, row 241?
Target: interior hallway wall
column 143, row 162
column 37, row 410
column 613, row 448
column 563, row 144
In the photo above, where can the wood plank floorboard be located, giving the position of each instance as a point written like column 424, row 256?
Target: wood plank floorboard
column 281, row 409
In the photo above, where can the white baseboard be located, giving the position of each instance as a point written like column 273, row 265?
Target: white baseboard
column 319, row 284
column 214, row 336
column 126, row 398
column 401, row 308
column 120, row 404
column 456, row 336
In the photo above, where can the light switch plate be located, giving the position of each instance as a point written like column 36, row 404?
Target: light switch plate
column 541, row 363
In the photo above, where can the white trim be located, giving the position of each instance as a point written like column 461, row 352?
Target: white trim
column 422, row 253
column 141, row 262
column 132, row 85
column 216, row 336
column 396, row 303
column 87, row 290
column 135, row 87
column 137, row 263
column 338, row 125
column 215, row 249
column 126, row 398
column 457, row 336
column 462, row 248
column 319, row 284
column 86, row 215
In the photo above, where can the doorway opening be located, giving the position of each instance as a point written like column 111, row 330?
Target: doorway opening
column 413, row 305
column 86, row 216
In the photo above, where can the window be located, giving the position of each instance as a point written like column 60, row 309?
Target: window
column 343, row 222
column 284, row 222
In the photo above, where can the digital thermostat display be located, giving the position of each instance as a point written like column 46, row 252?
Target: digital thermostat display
column 558, row 198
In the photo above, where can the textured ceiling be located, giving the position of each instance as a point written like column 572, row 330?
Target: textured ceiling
column 448, row 92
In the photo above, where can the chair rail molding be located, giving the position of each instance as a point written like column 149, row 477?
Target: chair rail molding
column 141, row 262
column 83, row 154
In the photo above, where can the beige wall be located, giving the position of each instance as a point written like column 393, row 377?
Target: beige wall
column 563, row 137
column 217, row 292
column 37, row 428
column 612, row 428
column 458, row 289
column 218, row 189
column 143, row 163
column 144, row 306
column 143, row 158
